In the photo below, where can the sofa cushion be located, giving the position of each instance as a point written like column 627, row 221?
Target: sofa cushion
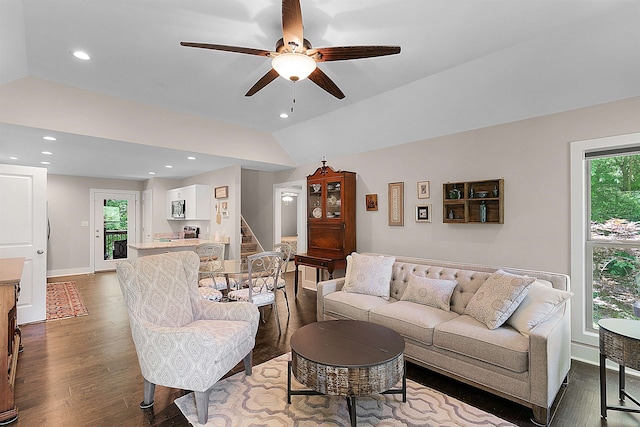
column 538, row 305
column 368, row 274
column 411, row 320
column 346, row 305
column 432, row 292
column 504, row 347
column 498, row 298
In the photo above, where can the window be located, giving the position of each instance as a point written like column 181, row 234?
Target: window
column 604, row 252
column 613, row 241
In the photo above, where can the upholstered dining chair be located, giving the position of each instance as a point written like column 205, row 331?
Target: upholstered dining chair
column 286, row 250
column 181, row 339
column 262, row 268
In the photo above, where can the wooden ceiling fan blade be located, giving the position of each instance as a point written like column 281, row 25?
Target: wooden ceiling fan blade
column 292, row 31
column 225, row 48
column 265, row 80
column 342, row 53
column 322, row 80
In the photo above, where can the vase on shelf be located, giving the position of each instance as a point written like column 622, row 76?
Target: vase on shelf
column 495, row 191
column 483, row 212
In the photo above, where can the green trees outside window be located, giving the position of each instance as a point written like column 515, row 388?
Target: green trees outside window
column 615, row 235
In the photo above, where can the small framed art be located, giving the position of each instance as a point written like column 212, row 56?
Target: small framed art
column 396, row 203
column 222, row 192
column 423, row 213
column 371, row 202
column 423, row 190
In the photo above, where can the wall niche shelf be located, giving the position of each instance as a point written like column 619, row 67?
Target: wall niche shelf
column 462, row 202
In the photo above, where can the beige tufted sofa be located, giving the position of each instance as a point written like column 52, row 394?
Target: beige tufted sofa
column 528, row 370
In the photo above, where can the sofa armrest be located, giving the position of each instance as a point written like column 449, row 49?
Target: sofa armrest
column 325, row 288
column 549, row 357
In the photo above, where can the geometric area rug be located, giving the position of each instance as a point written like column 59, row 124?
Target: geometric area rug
column 261, row 400
column 64, row 300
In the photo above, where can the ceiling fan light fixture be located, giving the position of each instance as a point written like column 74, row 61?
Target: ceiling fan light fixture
column 293, row 66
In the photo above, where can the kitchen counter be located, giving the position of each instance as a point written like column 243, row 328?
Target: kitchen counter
column 159, row 247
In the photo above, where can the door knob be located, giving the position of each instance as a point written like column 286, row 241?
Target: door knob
column 40, row 252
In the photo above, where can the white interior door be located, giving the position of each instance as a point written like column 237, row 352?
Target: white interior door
column 114, row 226
column 23, row 233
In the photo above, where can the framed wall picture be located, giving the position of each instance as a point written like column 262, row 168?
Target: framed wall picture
column 371, row 202
column 221, row 192
column 423, row 213
column 396, row 204
column 423, row 190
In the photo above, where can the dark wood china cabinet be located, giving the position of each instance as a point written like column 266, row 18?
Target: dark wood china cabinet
column 331, row 220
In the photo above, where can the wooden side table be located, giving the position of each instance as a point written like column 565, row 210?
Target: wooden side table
column 620, row 343
column 325, row 263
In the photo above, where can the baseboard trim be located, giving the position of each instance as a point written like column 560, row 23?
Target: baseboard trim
column 68, row 272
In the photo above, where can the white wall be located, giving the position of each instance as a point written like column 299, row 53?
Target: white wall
column 531, row 155
column 68, row 199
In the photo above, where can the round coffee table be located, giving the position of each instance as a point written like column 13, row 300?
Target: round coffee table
column 347, row 358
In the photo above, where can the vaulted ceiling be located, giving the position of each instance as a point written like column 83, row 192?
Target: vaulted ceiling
column 143, row 101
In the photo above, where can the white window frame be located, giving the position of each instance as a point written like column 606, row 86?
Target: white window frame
column 584, row 339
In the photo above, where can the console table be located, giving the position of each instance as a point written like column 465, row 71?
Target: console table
column 620, row 343
column 10, row 275
column 319, row 263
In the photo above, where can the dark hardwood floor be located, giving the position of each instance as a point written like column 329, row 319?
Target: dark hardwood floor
column 84, row 371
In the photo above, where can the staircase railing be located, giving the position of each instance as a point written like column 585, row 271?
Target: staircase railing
column 248, row 237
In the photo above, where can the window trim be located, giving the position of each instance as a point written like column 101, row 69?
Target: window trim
column 585, row 342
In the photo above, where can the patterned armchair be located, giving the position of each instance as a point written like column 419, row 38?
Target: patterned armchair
column 182, row 340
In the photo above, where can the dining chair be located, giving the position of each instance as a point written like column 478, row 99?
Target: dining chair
column 182, row 340
column 210, row 271
column 286, row 250
column 262, row 268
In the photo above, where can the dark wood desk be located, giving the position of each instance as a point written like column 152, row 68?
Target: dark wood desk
column 319, row 263
column 620, row 343
column 347, row 358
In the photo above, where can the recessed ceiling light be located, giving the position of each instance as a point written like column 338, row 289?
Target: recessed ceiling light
column 152, row 173
column 168, row 166
column 13, row 158
column 283, row 115
column 81, row 55
column 46, row 152
column 45, row 163
column 49, row 138
column 191, row 158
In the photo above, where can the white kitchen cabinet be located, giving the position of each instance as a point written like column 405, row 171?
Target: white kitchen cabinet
column 197, row 201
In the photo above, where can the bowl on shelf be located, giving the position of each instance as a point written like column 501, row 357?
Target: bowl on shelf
column 482, row 194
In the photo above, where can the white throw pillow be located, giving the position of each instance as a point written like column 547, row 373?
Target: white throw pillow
column 427, row 291
column 369, row 274
column 539, row 304
column 498, row 298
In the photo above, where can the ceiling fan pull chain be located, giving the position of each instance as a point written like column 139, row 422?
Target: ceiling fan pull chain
column 293, row 95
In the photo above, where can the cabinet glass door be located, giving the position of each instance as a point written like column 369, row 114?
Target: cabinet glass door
column 314, row 200
column 334, row 199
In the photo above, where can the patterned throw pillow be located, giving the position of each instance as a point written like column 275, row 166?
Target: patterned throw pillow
column 427, row 291
column 498, row 298
column 369, row 274
column 539, row 304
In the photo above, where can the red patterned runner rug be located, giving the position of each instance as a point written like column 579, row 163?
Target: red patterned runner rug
column 64, row 300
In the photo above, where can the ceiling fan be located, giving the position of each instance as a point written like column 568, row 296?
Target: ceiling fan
column 294, row 57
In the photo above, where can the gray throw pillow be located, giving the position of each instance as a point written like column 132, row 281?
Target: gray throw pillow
column 369, row 274
column 427, row 291
column 498, row 297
